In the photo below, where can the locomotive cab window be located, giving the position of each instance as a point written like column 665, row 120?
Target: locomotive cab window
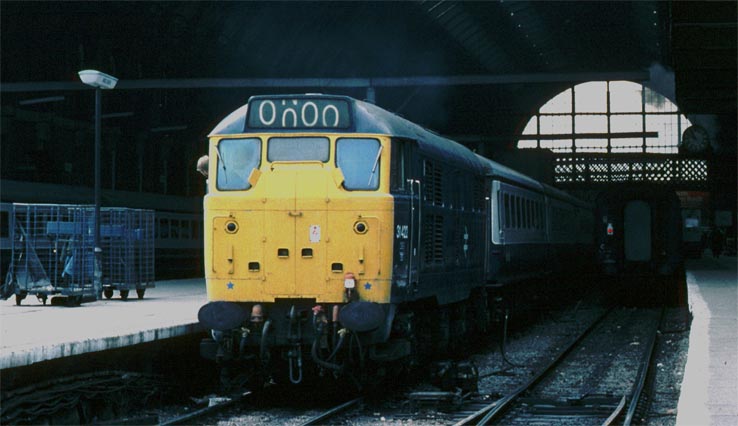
column 359, row 160
column 298, row 149
column 236, row 159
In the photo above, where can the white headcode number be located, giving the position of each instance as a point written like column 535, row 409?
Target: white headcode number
column 402, row 232
column 299, row 113
column 263, row 120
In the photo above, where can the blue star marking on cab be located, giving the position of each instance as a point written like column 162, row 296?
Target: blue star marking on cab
column 368, row 286
column 230, row 286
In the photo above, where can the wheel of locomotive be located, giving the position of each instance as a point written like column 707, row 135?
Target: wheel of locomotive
column 124, row 294
column 140, row 292
column 19, row 298
column 42, row 298
column 108, row 293
column 442, row 331
column 74, row 301
column 479, row 315
column 458, row 330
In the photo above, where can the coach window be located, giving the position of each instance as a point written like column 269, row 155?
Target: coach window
column 524, row 205
column 358, row 159
column 174, row 229
column 236, row 159
column 298, row 149
column 513, row 216
column 507, row 210
column 163, row 228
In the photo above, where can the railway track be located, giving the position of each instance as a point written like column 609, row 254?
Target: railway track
column 206, row 412
column 323, row 417
column 593, row 397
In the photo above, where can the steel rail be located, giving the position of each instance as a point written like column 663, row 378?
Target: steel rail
column 319, row 419
column 640, row 381
column 643, row 371
column 184, row 419
column 496, row 408
column 616, row 412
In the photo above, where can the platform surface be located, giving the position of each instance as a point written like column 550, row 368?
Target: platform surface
column 709, row 393
column 33, row 332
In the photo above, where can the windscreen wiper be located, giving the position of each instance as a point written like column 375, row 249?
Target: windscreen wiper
column 374, row 167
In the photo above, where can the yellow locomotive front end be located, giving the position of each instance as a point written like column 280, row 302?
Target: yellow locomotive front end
column 298, row 238
column 281, row 222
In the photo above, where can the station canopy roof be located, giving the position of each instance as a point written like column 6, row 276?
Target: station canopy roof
column 473, row 70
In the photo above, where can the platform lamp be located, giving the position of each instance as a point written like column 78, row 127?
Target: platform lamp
column 99, row 81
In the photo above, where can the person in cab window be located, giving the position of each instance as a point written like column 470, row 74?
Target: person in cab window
column 202, row 165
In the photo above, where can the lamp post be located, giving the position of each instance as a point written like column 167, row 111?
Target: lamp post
column 99, row 81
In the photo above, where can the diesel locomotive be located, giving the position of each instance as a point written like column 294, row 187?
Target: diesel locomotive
column 338, row 234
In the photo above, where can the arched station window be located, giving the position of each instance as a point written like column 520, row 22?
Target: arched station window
column 606, row 116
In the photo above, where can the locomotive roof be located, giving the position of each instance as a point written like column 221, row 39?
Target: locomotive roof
column 366, row 118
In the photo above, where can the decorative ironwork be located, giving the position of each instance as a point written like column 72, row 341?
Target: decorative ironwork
column 594, row 169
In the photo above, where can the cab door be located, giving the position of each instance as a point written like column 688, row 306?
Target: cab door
column 406, row 202
column 637, row 231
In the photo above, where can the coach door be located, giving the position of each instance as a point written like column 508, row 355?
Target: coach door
column 637, row 231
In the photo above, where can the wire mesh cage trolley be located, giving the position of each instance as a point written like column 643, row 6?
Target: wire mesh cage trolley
column 127, row 242
column 53, row 253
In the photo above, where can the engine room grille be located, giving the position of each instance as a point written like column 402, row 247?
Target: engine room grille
column 433, row 184
column 433, row 239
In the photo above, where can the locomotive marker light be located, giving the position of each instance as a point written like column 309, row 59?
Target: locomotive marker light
column 348, row 280
column 98, row 80
column 610, row 229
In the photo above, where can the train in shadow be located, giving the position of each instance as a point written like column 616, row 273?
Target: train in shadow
column 640, row 244
column 640, row 231
column 340, row 235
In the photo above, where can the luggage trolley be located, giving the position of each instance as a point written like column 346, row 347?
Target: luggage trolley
column 127, row 242
column 52, row 249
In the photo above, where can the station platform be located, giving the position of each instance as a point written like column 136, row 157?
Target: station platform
column 709, row 393
column 33, row 332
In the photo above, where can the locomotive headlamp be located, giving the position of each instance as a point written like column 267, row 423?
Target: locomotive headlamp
column 360, row 227
column 231, row 227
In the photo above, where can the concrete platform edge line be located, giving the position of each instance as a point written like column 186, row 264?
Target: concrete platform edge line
column 30, row 356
